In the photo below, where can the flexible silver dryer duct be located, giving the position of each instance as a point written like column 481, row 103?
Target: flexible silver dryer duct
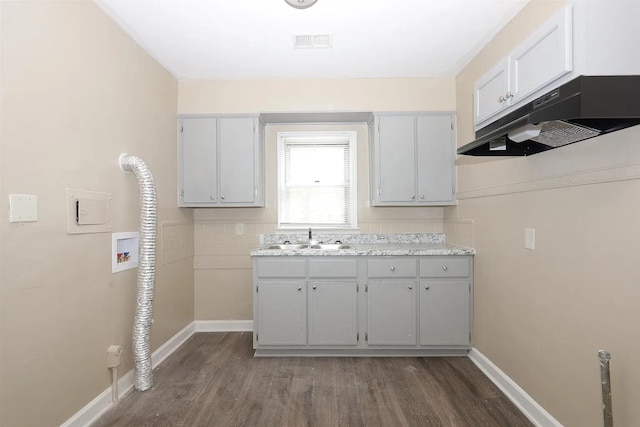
column 146, row 270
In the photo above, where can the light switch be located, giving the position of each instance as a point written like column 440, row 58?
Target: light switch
column 530, row 238
column 23, row 208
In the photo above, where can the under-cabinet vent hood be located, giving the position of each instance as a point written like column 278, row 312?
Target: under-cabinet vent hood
column 585, row 107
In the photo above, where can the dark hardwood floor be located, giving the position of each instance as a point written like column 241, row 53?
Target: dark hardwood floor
column 214, row 380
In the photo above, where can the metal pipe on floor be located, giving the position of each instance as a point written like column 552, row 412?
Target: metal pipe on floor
column 605, row 380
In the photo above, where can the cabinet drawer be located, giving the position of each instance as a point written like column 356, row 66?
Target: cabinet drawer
column 445, row 267
column 281, row 268
column 392, row 267
column 333, row 268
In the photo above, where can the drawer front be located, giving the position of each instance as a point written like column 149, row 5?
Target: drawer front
column 333, row 268
column 281, row 267
column 445, row 267
column 392, row 267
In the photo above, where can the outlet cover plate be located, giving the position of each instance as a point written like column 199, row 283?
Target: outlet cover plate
column 23, row 208
column 530, row 238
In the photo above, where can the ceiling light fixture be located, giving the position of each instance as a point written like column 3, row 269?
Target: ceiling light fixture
column 301, row 4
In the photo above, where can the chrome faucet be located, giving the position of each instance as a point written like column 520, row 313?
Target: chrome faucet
column 311, row 241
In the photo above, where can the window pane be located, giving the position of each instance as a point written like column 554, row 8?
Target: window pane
column 323, row 206
column 313, row 164
column 314, row 179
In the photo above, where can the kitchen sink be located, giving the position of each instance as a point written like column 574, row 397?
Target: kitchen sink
column 331, row 247
column 299, row 246
column 288, row 246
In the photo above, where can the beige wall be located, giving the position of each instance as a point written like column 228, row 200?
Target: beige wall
column 541, row 316
column 76, row 92
column 261, row 96
column 222, row 262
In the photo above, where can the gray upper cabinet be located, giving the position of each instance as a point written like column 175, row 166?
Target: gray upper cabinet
column 435, row 159
column 220, row 162
column 198, row 154
column 412, row 161
column 396, row 142
column 591, row 38
column 534, row 64
column 491, row 92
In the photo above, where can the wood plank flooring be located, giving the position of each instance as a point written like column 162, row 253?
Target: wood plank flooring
column 214, row 380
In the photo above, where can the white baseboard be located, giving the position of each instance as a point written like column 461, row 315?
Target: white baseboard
column 98, row 406
column 525, row 403
column 166, row 349
column 223, row 325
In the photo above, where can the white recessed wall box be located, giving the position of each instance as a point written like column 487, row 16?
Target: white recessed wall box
column 124, row 251
column 87, row 211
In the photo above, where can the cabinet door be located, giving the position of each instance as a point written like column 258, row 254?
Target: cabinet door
column 238, row 143
column 396, row 175
column 282, row 313
column 490, row 92
column 333, row 313
column 198, row 155
column 444, row 312
column 543, row 57
column 391, row 312
column 435, row 158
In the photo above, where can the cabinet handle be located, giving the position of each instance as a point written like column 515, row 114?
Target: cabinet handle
column 393, row 268
column 445, row 268
column 212, row 197
column 413, row 196
column 299, row 288
column 422, row 196
column 509, row 95
column 426, row 288
column 501, row 99
column 222, row 197
column 314, row 287
column 410, row 287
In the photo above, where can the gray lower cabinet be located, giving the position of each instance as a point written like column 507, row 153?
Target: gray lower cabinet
column 445, row 301
column 363, row 304
column 391, row 313
column 282, row 311
column 391, row 301
column 444, row 313
column 333, row 313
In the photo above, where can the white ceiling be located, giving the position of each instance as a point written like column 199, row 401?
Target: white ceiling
column 252, row 39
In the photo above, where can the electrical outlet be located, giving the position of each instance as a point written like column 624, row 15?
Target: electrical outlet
column 113, row 356
column 239, row 229
column 530, row 238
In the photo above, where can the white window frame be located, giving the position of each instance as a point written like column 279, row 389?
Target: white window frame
column 352, row 137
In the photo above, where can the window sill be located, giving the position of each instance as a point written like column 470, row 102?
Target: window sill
column 305, row 230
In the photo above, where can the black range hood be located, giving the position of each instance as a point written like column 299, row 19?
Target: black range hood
column 582, row 108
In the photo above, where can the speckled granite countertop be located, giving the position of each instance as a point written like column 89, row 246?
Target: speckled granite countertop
column 414, row 244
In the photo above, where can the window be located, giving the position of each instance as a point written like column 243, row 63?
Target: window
column 317, row 179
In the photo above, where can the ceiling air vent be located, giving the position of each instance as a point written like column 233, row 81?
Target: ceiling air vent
column 312, row 41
